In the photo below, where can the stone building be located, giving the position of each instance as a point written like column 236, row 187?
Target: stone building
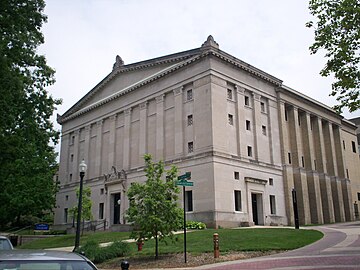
column 247, row 140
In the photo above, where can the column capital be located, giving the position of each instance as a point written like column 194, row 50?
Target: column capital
column 127, row 112
column 143, row 105
column 239, row 89
column 87, row 128
column 99, row 123
column 256, row 96
column 77, row 132
column 113, row 117
column 178, row 91
column 160, row 98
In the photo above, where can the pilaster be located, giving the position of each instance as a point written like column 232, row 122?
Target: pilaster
column 257, row 124
column 112, row 139
column 87, row 147
column 143, row 133
column 126, row 147
column 99, row 131
column 160, row 127
column 179, row 129
column 75, row 162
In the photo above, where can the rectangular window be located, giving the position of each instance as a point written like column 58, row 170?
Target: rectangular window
column 299, row 119
column 190, row 147
column 70, row 177
column 237, row 195
column 315, row 164
column 101, row 191
column 262, row 105
column 188, row 201
column 231, row 119
column 249, row 151
column 189, row 94
column 229, row 94
column 236, row 175
column 248, row 125
column 347, row 173
column 272, row 205
column 302, row 161
column 190, row 120
column 247, row 101
column 289, row 158
column 101, row 210
column 271, row 181
column 71, row 157
column 286, row 114
column 358, row 196
column 344, row 144
column 66, row 197
column 65, row 215
column 263, row 128
column 353, row 146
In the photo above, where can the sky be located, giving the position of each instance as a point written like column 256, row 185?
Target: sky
column 83, row 37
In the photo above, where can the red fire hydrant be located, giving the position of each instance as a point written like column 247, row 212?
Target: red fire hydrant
column 140, row 244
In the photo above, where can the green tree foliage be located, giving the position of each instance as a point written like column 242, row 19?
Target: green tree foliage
column 153, row 205
column 337, row 31
column 27, row 161
column 86, row 213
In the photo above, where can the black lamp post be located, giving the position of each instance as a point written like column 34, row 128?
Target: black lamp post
column 82, row 169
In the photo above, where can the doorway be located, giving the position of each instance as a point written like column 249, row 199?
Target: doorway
column 256, row 203
column 116, row 206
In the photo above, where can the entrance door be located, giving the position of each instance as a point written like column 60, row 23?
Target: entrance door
column 116, row 207
column 254, row 208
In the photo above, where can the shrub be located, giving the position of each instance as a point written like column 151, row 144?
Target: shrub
column 195, row 225
column 99, row 254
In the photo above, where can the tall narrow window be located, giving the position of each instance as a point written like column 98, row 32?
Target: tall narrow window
column 347, row 173
column 101, row 210
column 358, row 196
column 237, row 195
column 289, row 158
column 302, row 162
column 66, row 197
column 65, row 215
column 188, row 201
column 247, row 101
column 272, row 205
column 236, row 175
column 189, row 94
column 72, row 139
column 70, row 177
column 190, row 147
column 229, row 94
column 315, row 164
column 271, row 181
column 231, row 119
column 263, row 128
column 248, row 125
column 249, row 151
column 190, row 120
column 353, row 146
column 344, row 144
column 101, row 191
column 262, row 106
column 286, row 114
column 72, row 157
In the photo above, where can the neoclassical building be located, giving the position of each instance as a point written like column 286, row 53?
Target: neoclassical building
column 247, row 139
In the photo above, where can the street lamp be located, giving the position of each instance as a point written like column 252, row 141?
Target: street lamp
column 82, row 169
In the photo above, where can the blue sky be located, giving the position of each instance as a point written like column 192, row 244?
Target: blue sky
column 82, row 39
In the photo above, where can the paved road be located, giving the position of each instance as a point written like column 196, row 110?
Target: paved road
column 338, row 249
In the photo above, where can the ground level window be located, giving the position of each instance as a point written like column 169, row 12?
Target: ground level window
column 237, row 195
column 188, row 201
column 272, row 205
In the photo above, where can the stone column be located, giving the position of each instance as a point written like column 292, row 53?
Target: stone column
column 143, row 134
column 160, row 127
column 64, row 158
column 75, row 162
column 179, row 129
column 127, row 124
column 98, row 150
column 240, row 112
column 257, row 125
column 87, row 148
column 112, row 138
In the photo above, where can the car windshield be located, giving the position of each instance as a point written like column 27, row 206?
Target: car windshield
column 46, row 265
column 4, row 244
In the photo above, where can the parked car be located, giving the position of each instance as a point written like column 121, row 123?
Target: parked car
column 5, row 243
column 43, row 260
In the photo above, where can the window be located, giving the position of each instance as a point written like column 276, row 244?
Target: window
column 271, row 181
column 353, row 146
column 302, row 161
column 231, row 119
column 236, row 175
column 263, row 128
column 344, row 144
column 188, row 201
column 272, row 205
column 189, row 94
column 299, row 119
column 190, row 120
column 286, row 114
column 65, row 215
column 237, row 195
column 347, row 173
column 71, row 157
column 101, row 210
column 248, row 125
column 249, row 151
column 229, row 94
column 101, row 191
column 190, row 147
column 358, row 196
column 315, row 164
column 70, row 177
column 247, row 101
column 66, row 197
column 262, row 106
column 289, row 158
column 72, row 139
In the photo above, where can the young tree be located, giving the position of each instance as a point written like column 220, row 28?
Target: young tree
column 27, row 161
column 86, row 213
column 337, row 31
column 154, row 210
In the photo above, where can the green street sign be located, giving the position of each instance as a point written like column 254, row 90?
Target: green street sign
column 184, row 176
column 184, row 183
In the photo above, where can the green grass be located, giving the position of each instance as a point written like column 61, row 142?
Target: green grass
column 200, row 241
column 69, row 240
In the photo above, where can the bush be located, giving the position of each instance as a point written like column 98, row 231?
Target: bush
column 99, row 254
column 195, row 225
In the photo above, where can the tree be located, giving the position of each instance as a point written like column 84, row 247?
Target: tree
column 153, row 209
column 337, row 31
column 86, row 213
column 27, row 161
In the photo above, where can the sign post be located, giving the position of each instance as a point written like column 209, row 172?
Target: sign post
column 182, row 181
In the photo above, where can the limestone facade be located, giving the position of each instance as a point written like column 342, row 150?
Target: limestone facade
column 247, row 140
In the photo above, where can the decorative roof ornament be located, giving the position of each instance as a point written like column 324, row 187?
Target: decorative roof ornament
column 118, row 62
column 210, row 42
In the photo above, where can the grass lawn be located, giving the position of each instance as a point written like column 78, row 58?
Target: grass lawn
column 200, row 241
